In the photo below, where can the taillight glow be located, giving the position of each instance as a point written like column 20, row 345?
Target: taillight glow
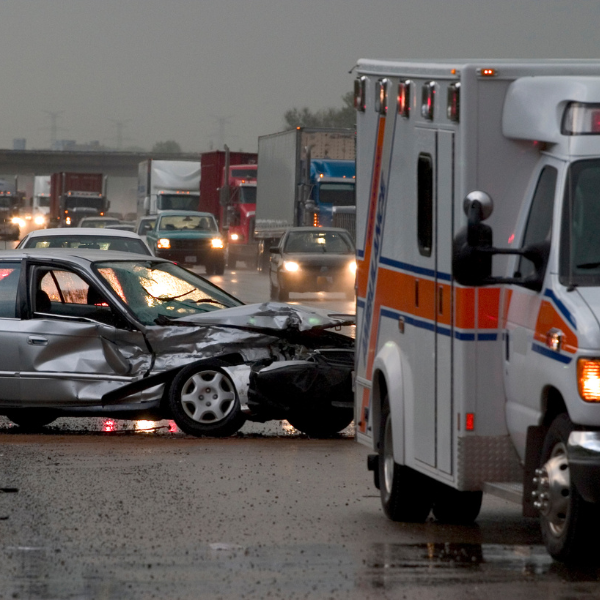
column 470, row 422
column 588, row 379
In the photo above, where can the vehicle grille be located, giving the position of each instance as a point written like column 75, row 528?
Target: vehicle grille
column 347, row 222
column 189, row 244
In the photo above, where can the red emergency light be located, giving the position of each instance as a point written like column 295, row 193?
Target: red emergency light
column 453, row 102
column 381, row 96
column 404, row 98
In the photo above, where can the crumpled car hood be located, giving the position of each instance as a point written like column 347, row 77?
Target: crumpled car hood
column 276, row 316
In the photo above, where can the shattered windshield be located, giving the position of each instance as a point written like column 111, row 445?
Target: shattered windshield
column 159, row 290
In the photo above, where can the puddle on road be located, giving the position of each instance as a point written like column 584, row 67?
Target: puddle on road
column 118, row 427
column 231, row 570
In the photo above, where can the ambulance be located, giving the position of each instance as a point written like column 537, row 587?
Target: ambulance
column 478, row 290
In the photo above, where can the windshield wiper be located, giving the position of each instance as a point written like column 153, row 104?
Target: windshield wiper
column 590, row 265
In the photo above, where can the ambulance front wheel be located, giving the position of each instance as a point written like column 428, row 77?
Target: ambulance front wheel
column 406, row 495
column 569, row 523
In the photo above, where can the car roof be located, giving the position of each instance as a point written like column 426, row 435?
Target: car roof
column 317, row 229
column 82, row 231
column 167, row 213
column 80, row 257
column 100, row 219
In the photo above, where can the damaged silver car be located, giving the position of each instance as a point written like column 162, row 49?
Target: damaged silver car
column 99, row 333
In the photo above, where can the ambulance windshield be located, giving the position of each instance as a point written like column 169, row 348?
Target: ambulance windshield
column 580, row 242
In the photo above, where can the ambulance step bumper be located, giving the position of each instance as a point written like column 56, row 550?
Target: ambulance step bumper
column 511, row 491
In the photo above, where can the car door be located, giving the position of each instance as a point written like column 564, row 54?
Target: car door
column 10, row 328
column 76, row 345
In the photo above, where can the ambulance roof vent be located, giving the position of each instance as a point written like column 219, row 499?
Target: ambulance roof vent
column 537, row 108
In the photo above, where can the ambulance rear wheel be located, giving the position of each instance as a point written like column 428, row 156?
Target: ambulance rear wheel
column 406, row 495
column 568, row 522
column 452, row 506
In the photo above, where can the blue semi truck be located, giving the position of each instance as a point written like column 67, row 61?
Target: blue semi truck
column 306, row 176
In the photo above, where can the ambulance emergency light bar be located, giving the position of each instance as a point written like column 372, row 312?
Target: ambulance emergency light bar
column 581, row 119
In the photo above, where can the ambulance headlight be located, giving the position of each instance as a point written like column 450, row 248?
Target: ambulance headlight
column 216, row 243
column 588, row 379
column 163, row 244
column 290, row 266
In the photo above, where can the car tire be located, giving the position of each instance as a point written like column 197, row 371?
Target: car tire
column 283, row 295
column 568, row 523
column 406, row 495
column 210, row 268
column 322, row 424
column 204, row 402
column 219, row 266
column 452, row 506
column 31, row 420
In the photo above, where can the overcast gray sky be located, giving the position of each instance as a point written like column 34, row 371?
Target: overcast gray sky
column 169, row 69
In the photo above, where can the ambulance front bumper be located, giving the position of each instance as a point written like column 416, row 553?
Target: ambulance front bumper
column 583, row 449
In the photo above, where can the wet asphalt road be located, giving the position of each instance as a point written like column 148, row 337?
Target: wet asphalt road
column 96, row 508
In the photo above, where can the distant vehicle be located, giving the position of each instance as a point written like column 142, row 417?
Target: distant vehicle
column 74, row 196
column 40, row 203
column 98, row 222
column 228, row 191
column 90, row 333
column 10, row 201
column 144, row 225
column 85, row 238
column 310, row 259
column 190, row 238
column 167, row 185
column 122, row 226
column 306, row 177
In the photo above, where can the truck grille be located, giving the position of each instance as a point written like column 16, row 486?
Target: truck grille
column 346, row 221
column 190, row 244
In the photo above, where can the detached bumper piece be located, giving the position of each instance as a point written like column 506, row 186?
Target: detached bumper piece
column 279, row 390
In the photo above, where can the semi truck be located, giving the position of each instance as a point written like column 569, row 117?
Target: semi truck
column 478, row 337
column 167, row 185
column 74, row 196
column 10, row 203
column 40, row 202
column 228, row 191
column 306, row 177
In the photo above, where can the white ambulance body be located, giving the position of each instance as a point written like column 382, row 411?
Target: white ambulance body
column 473, row 378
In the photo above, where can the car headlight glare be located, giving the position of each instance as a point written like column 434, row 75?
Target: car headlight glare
column 588, row 379
column 163, row 244
column 39, row 220
column 234, row 237
column 216, row 243
column 352, row 266
column 18, row 221
column 291, row 266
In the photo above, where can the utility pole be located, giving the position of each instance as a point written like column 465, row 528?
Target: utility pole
column 53, row 125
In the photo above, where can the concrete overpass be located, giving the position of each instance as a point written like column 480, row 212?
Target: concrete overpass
column 45, row 162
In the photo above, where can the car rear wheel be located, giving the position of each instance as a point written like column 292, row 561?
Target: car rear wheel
column 204, row 402
column 31, row 420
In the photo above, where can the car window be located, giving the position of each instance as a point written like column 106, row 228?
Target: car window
column 65, row 293
column 9, row 283
column 318, row 242
column 146, row 226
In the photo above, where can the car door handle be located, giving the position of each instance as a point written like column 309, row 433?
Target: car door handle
column 37, row 341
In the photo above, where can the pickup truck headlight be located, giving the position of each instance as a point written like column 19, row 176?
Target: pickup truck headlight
column 39, row 220
column 163, row 244
column 216, row 243
column 588, row 379
column 291, row 266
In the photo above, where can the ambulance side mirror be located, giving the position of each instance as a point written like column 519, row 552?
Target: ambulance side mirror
column 472, row 256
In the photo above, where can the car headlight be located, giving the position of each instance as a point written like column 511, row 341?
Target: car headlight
column 352, row 266
column 39, row 220
column 234, row 237
column 216, row 243
column 588, row 379
column 291, row 266
column 18, row 221
column 163, row 244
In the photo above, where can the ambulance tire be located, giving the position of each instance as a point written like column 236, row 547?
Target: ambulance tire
column 569, row 524
column 452, row 506
column 406, row 495
column 32, row 420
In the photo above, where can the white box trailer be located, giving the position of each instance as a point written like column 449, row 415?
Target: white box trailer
column 478, row 360
column 167, row 185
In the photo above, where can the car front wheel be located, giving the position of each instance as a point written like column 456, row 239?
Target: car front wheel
column 204, row 402
column 31, row 420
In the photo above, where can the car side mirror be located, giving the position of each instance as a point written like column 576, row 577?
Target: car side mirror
column 274, row 250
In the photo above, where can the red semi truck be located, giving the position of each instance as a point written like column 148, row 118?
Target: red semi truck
column 231, row 199
column 74, row 196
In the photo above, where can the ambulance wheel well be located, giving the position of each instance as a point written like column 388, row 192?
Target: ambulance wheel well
column 553, row 405
column 379, row 393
